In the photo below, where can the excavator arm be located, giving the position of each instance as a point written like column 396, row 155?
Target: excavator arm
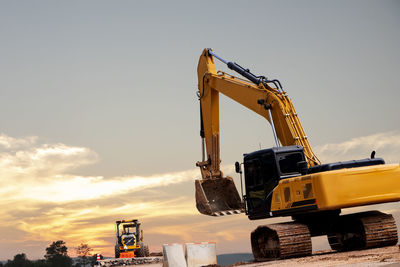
column 216, row 194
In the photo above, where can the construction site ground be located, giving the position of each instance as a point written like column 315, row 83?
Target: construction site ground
column 387, row 256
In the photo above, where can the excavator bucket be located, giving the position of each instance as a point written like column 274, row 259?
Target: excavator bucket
column 218, row 197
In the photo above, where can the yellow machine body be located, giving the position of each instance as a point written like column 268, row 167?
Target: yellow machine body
column 337, row 189
column 128, row 248
column 129, row 240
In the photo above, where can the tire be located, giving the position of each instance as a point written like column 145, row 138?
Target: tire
column 117, row 253
column 143, row 251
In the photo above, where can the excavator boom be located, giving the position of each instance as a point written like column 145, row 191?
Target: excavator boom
column 216, row 194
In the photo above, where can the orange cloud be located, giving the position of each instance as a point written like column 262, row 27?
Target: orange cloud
column 41, row 201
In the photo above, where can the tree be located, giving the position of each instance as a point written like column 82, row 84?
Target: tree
column 56, row 248
column 83, row 252
column 19, row 260
column 41, row 263
column 57, row 255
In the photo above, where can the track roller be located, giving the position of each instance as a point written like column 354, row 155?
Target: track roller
column 363, row 230
column 281, row 241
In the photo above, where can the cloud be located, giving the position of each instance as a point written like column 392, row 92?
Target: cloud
column 9, row 142
column 42, row 171
column 41, row 161
column 42, row 201
column 386, row 145
column 76, row 188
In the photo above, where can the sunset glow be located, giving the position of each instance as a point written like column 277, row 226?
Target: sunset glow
column 48, row 203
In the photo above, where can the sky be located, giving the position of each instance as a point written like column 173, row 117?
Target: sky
column 99, row 116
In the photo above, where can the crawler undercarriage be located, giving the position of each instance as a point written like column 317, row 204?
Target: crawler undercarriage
column 347, row 232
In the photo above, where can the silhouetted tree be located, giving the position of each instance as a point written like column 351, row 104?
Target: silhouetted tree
column 57, row 255
column 83, row 252
column 19, row 260
column 41, row 263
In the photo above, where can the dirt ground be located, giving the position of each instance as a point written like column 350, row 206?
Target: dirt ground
column 388, row 256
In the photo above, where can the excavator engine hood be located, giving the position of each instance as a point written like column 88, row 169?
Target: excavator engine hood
column 218, row 197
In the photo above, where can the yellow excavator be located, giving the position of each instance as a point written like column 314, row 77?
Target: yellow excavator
column 289, row 179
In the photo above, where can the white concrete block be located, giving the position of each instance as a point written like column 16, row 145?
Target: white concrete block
column 201, row 254
column 174, row 255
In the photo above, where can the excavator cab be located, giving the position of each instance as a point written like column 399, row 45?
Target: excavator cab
column 263, row 170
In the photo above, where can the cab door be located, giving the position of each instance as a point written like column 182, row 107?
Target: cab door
column 260, row 180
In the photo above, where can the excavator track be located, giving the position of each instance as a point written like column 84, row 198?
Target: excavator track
column 281, row 241
column 363, row 230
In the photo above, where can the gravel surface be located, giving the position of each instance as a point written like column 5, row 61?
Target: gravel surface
column 388, row 256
